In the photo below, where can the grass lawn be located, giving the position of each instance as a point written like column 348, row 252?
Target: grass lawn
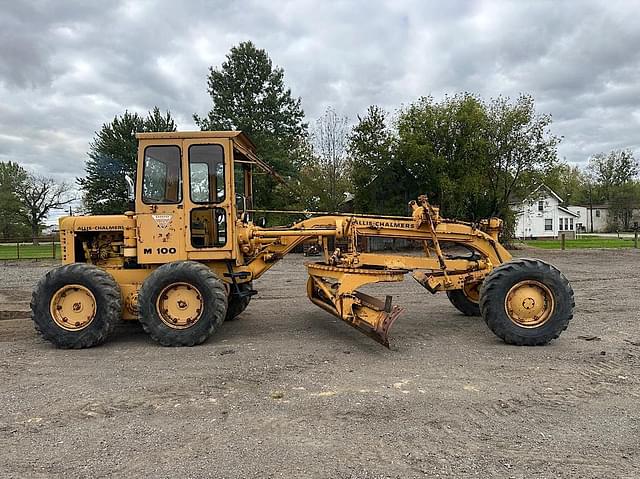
column 28, row 251
column 589, row 242
column 9, row 251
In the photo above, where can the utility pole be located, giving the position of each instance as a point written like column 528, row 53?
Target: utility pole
column 591, row 207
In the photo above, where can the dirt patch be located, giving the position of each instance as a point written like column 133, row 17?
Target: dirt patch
column 289, row 391
column 13, row 304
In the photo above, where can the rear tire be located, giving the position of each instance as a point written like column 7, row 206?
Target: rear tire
column 76, row 306
column 238, row 305
column 182, row 304
column 526, row 302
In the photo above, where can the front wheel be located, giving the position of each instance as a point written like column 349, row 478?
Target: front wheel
column 526, row 302
column 466, row 300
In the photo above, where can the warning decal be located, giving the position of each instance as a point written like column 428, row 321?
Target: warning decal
column 163, row 221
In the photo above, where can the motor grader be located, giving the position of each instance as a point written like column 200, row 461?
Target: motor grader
column 186, row 258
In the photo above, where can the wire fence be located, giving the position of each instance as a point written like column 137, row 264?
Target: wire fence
column 22, row 248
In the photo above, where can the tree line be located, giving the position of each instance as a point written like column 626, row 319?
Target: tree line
column 471, row 156
column 609, row 179
column 26, row 200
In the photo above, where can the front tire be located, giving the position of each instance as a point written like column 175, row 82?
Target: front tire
column 76, row 306
column 182, row 304
column 466, row 300
column 526, row 302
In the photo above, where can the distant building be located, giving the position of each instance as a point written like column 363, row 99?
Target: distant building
column 49, row 230
column 541, row 215
column 597, row 214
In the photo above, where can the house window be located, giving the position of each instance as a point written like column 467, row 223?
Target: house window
column 548, row 224
column 597, row 213
column 571, row 224
column 559, row 225
column 540, row 205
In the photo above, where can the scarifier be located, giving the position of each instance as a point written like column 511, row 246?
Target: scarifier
column 186, row 258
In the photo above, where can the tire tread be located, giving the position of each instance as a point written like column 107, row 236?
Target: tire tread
column 492, row 289
column 460, row 301
column 238, row 305
column 176, row 272
column 91, row 336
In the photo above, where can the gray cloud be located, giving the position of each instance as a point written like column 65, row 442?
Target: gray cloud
column 68, row 67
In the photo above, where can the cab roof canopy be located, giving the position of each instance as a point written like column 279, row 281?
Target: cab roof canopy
column 241, row 142
column 237, row 136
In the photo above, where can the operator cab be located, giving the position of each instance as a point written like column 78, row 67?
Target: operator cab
column 192, row 187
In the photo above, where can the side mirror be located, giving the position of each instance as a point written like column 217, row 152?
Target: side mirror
column 241, row 198
column 131, row 195
column 261, row 222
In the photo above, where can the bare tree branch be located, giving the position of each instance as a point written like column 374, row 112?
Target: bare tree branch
column 39, row 195
column 329, row 138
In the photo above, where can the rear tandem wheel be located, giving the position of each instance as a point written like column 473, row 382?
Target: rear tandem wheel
column 182, row 303
column 238, row 304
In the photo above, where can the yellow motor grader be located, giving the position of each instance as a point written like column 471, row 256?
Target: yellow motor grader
column 185, row 259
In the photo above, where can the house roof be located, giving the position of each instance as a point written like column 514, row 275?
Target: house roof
column 601, row 206
column 542, row 185
column 562, row 208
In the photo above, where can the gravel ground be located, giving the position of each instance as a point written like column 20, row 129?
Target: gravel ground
column 288, row 391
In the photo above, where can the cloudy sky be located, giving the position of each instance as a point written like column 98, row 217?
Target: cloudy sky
column 67, row 67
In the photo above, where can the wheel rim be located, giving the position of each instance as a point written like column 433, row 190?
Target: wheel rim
column 180, row 305
column 73, row 307
column 472, row 291
column 529, row 304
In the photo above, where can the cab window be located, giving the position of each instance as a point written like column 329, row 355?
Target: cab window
column 161, row 175
column 243, row 193
column 206, row 173
column 208, row 227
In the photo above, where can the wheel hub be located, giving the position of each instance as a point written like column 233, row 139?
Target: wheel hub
column 529, row 303
column 472, row 291
column 179, row 305
column 73, row 307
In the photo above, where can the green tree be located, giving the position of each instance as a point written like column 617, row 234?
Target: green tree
column 469, row 156
column 624, row 199
column 12, row 179
column 520, row 144
column 113, row 155
column 472, row 157
column 445, row 145
column 612, row 170
column 248, row 94
column 568, row 181
column 380, row 180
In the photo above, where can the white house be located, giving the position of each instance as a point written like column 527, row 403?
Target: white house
column 540, row 215
column 596, row 214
